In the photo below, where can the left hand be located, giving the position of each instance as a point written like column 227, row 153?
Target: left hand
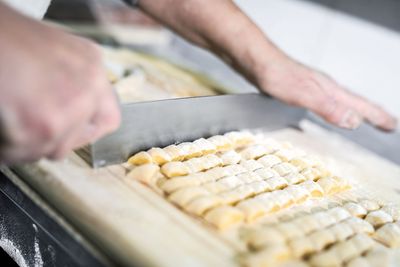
column 302, row 86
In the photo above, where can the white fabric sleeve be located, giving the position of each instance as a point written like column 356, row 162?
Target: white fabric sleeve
column 32, row 8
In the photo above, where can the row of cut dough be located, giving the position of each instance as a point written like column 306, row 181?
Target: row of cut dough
column 342, row 230
column 302, row 227
column 337, row 255
column 199, row 192
column 243, row 201
column 188, row 150
column 248, row 172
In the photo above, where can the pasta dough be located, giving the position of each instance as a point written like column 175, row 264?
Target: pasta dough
column 183, row 196
column 284, row 168
column 222, row 143
column 378, row 218
column 140, row 158
column 252, row 209
column 206, row 146
column 389, row 235
column 356, row 209
column 230, row 157
column 159, row 155
column 145, row 173
column 174, row 152
column 269, row 161
column 224, row 217
column 189, row 150
column 201, row 204
column 253, row 152
column 175, row 168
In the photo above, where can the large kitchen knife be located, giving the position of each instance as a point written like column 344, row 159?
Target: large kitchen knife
column 160, row 123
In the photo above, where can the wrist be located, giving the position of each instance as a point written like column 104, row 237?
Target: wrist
column 261, row 61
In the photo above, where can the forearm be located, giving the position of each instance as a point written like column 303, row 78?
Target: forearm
column 220, row 26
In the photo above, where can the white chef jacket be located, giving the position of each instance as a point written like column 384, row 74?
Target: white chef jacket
column 32, row 8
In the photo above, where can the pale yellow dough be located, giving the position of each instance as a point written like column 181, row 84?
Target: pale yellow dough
column 183, row 196
column 240, row 138
column 266, row 173
column 341, row 231
column 269, row 256
column 222, row 143
column 378, row 218
column 206, row 146
column 329, row 185
column 252, row 209
column 322, row 238
column 284, row 168
column 224, row 217
column 189, row 150
column 140, row 158
column 355, row 209
column 251, row 165
column 389, row 235
column 393, row 210
column 230, row 157
column 200, row 205
column 359, row 226
column 312, row 173
column 174, row 152
column 159, row 155
column 269, row 161
column 301, row 246
column 314, row 188
column 175, row 168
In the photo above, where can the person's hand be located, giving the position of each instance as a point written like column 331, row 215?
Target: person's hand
column 224, row 29
column 299, row 85
column 54, row 95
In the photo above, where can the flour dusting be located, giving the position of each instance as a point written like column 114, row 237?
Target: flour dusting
column 38, row 256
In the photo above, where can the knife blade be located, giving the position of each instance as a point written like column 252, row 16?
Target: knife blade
column 385, row 144
column 161, row 123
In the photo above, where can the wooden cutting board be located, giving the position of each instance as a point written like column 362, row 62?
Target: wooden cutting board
column 135, row 226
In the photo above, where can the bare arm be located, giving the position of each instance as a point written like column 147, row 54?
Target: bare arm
column 220, row 26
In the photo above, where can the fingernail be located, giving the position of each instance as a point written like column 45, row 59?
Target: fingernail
column 382, row 120
column 351, row 120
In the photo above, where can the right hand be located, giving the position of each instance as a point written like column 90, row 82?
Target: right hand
column 54, row 95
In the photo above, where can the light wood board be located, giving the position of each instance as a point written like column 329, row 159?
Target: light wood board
column 135, row 226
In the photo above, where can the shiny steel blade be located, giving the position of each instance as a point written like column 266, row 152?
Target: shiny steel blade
column 385, row 144
column 160, row 123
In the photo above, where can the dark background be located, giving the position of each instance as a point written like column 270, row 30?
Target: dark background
column 5, row 260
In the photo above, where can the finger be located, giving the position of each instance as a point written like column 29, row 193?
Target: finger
column 104, row 119
column 108, row 116
column 326, row 100
column 80, row 115
column 373, row 113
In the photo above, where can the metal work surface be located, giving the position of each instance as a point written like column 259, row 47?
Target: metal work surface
column 32, row 237
column 164, row 122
